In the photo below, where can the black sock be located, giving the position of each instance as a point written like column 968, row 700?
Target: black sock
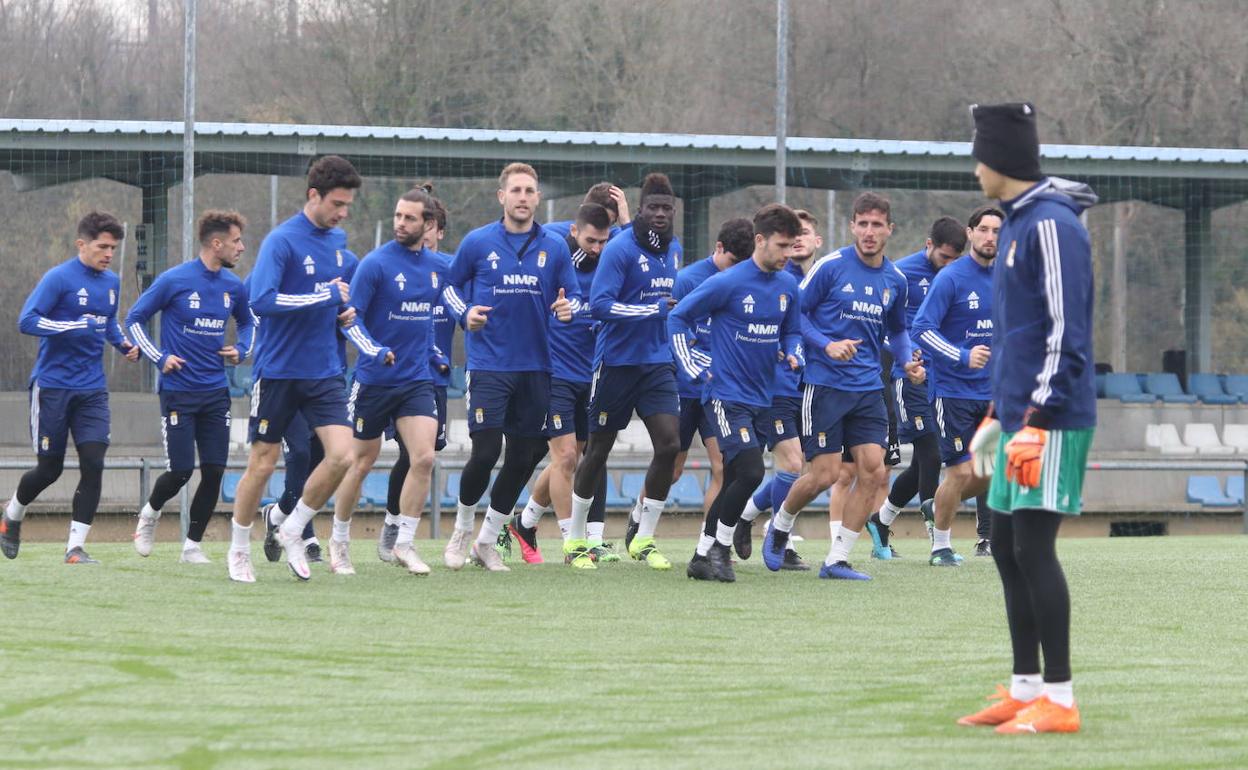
column 47, row 470
column 205, row 500
column 1035, row 552
column 1024, row 635
column 983, row 518
column 87, row 495
column 487, row 445
column 167, row 485
column 397, row 475
column 518, row 464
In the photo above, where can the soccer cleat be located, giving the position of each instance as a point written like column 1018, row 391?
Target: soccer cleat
column 576, row 555
column 10, row 536
column 630, row 532
column 1003, row 710
column 720, row 557
column 194, row 555
column 386, row 539
column 76, row 555
column 487, row 556
column 775, row 543
column 406, row 556
column 1043, row 716
column 644, row 549
column 238, row 563
column 793, row 562
column 313, row 552
column 603, row 552
column 928, row 509
column 743, row 539
column 456, row 552
column 880, row 532
column 527, row 538
column 145, row 535
column 983, row 548
column 700, row 568
column 296, row 554
column 272, row 548
column 842, row 570
column 503, row 543
column 944, row 557
column 340, row 558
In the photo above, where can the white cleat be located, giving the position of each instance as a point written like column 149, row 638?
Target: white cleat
column 456, row 553
column 145, row 535
column 239, row 565
column 386, row 540
column 487, row 556
column 296, row 554
column 406, row 556
column 340, row 558
column 195, row 556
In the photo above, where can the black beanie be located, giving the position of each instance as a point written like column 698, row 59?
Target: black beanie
column 656, row 184
column 1006, row 140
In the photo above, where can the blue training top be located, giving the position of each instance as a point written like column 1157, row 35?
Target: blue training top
column 955, row 317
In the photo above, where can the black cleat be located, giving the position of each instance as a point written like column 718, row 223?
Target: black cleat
column 743, row 539
column 700, row 568
column 313, row 551
column 526, row 535
column 982, row 548
column 630, row 532
column 76, row 555
column 793, row 562
column 272, row 548
column 720, row 557
column 10, row 536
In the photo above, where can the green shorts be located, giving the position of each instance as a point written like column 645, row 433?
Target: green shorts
column 1062, row 467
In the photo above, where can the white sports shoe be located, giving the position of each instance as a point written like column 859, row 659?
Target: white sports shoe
column 145, row 535
column 194, row 556
column 456, row 553
column 489, row 557
column 406, row 556
column 239, row 565
column 340, row 558
column 296, row 554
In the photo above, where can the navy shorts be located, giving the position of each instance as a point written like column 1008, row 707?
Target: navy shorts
column 372, row 408
column 914, row 410
column 833, row 420
column 517, row 402
column 275, row 402
column 958, row 419
column 783, row 420
column 694, row 417
column 738, row 426
column 57, row 412
column 439, row 394
column 618, row 391
column 190, row 419
column 569, row 409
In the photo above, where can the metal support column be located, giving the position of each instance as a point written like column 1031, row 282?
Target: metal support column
column 1198, row 277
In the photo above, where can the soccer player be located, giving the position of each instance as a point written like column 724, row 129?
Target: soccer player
column 298, row 292
column 567, row 424
column 631, row 296
column 506, row 281
column 754, row 318
column 853, row 299
column 946, row 240
column 1044, row 399
column 73, row 311
column 954, row 324
column 196, row 301
column 393, row 294
column 604, row 194
column 983, row 231
column 781, row 423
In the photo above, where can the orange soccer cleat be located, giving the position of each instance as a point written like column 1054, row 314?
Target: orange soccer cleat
column 1043, row 716
column 1005, row 709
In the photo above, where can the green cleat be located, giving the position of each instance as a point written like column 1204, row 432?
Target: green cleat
column 644, row 549
column 603, row 551
column 945, row 557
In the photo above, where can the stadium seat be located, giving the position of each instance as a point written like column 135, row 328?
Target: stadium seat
column 238, row 433
column 1207, row 490
column 450, row 491
column 239, row 379
column 1235, row 488
column 1236, row 385
column 1166, row 386
column 687, row 492
column 273, row 493
column 1126, row 388
column 1100, row 384
column 631, row 483
column 1204, row 437
column 457, row 437
column 616, row 498
column 229, row 486
column 821, row 501
column 1165, row 439
column 1236, row 436
column 376, row 488
column 1208, row 388
column 458, row 383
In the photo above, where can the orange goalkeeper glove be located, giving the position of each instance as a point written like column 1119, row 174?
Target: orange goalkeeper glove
column 1023, row 455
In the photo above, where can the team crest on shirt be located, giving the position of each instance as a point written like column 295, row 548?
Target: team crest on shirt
column 957, row 443
column 44, row 443
column 784, row 302
column 541, row 259
column 823, row 440
column 918, row 423
column 480, row 415
column 433, row 278
column 263, row 428
column 112, row 297
column 886, row 295
column 779, row 427
column 359, row 424
column 338, row 256
column 173, row 418
column 745, row 435
column 309, row 265
column 558, row 421
column 1009, row 257
column 602, row 418
column 225, row 299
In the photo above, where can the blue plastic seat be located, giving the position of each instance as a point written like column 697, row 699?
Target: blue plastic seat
column 1166, row 386
column 458, row 383
column 1237, row 385
column 1208, row 388
column 616, row 498
column 1126, row 388
column 277, row 485
column 1235, row 488
column 229, row 486
column 631, row 483
column 687, row 492
column 450, row 491
column 376, row 488
column 1207, row 490
column 1100, row 385
column 821, row 501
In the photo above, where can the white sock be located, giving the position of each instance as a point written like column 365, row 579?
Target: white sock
column 277, row 516
column 77, row 535
column 148, row 512
column 723, row 533
column 342, row 531
column 533, row 513
column 594, row 530
column 705, row 542
column 565, row 526
column 15, row 510
column 465, row 515
column 834, row 527
column 888, row 513
column 491, row 526
column 783, row 520
column 751, row 511
column 579, row 522
column 407, row 530
column 635, row 514
column 842, row 544
column 189, row 545
column 651, row 510
column 1026, row 687
column 240, row 537
column 941, row 538
column 392, row 519
column 298, row 519
column 1061, row 693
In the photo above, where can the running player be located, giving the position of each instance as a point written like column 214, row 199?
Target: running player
column 1044, row 397
column 754, row 319
column 73, row 311
column 195, row 300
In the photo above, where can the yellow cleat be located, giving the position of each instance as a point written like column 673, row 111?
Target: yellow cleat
column 644, row 549
column 577, row 556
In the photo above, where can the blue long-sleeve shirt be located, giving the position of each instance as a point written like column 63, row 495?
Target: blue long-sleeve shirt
column 394, row 292
column 919, row 272
column 290, row 292
column 443, row 321
column 572, row 344
column 631, row 287
column 519, row 275
column 754, row 319
column 195, row 305
column 73, row 310
column 1043, row 292
column 955, row 317
column 699, row 346
column 844, row 298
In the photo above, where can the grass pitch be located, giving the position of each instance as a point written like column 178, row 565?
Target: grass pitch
column 147, row 663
